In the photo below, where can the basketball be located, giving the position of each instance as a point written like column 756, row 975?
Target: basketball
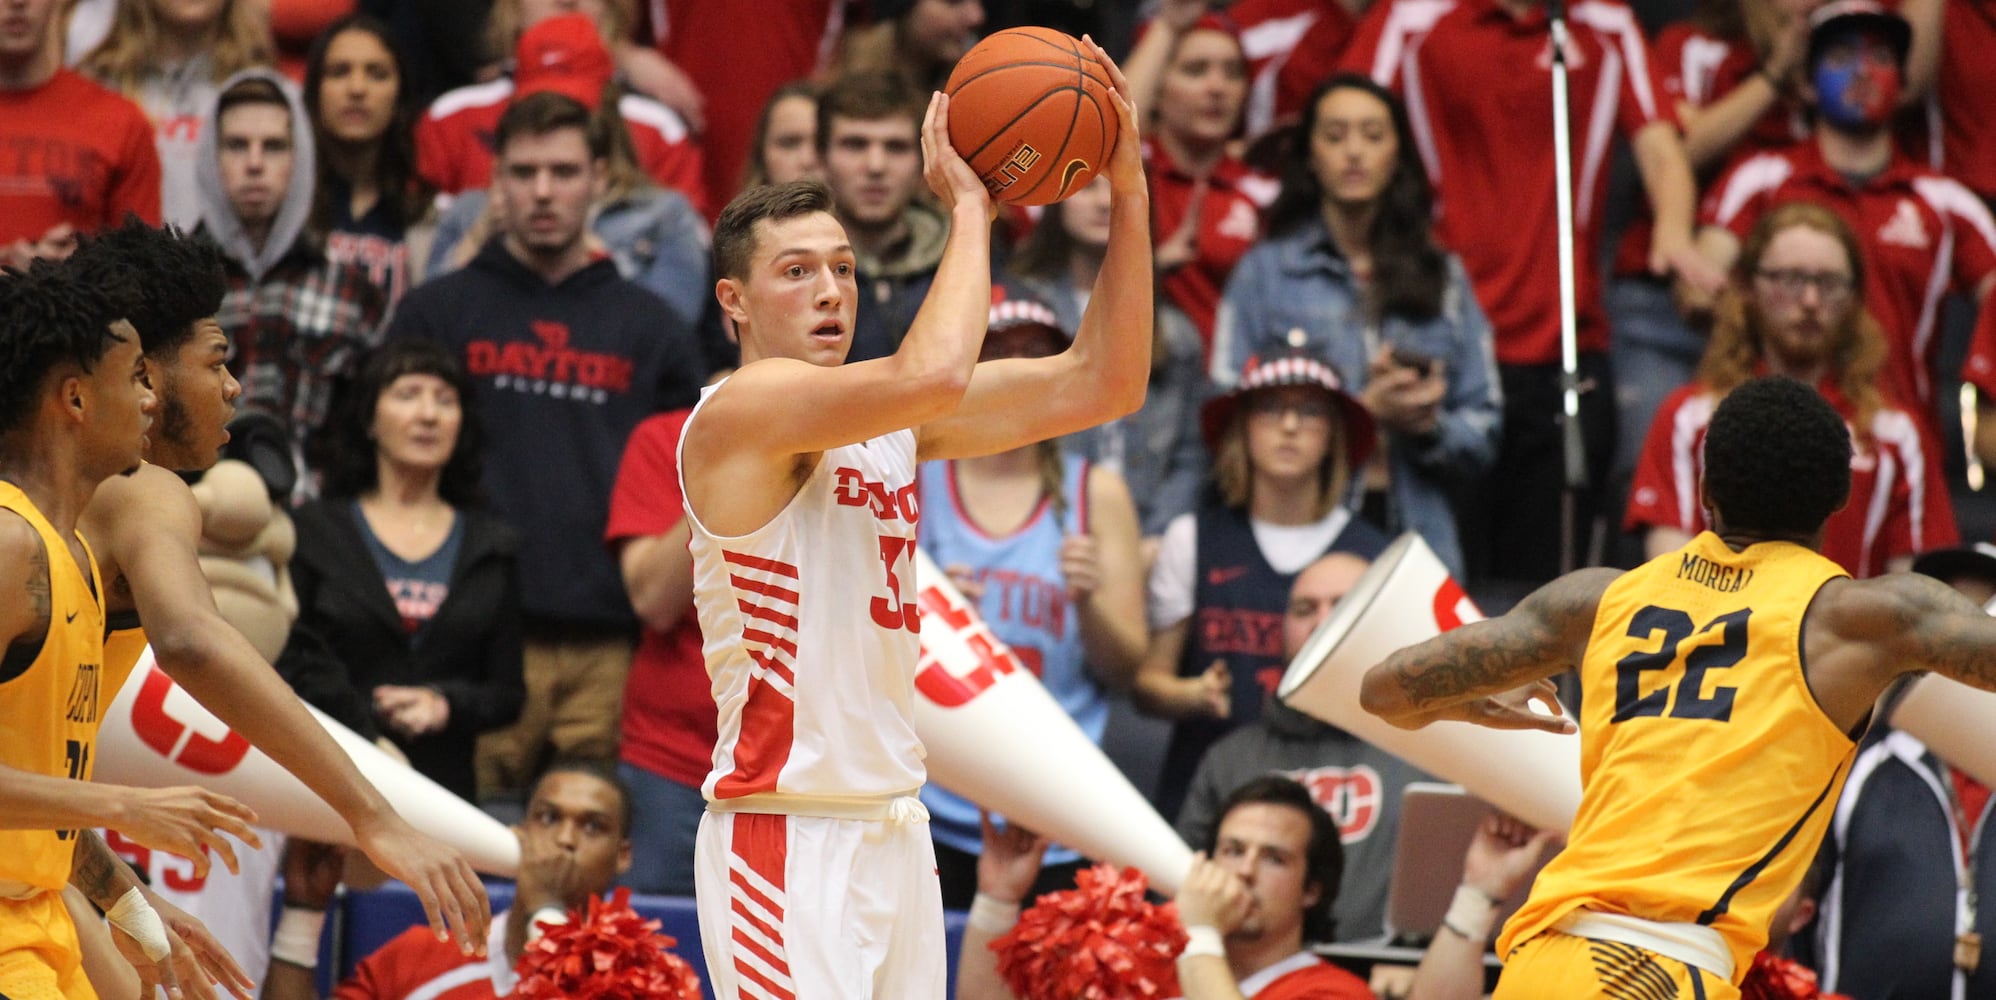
column 1031, row 111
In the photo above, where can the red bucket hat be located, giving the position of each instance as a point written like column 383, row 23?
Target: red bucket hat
column 1360, row 430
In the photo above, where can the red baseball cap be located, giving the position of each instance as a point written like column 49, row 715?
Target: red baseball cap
column 563, row 54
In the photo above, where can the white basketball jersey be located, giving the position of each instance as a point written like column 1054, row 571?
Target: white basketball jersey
column 811, row 634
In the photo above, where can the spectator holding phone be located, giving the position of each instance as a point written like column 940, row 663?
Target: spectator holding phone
column 1349, row 274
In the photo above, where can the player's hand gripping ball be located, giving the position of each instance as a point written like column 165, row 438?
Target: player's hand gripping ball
column 1031, row 111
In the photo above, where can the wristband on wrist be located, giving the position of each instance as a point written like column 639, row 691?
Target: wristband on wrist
column 552, row 915
column 992, row 916
column 1203, row 939
column 136, row 917
column 297, row 939
column 1470, row 914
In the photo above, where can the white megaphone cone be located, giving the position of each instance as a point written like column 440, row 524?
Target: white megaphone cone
column 995, row 736
column 1955, row 721
column 156, row 735
column 1408, row 597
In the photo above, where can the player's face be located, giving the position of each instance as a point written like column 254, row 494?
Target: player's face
column 254, row 143
column 117, row 406
column 1205, row 86
column 358, row 88
column 1353, row 147
column 799, row 296
column 197, row 399
column 1801, row 294
column 1267, row 846
column 943, row 30
column 24, row 27
column 416, row 422
column 1289, row 431
column 545, row 185
column 873, row 167
column 1085, row 214
column 578, row 815
column 789, row 148
column 1317, row 590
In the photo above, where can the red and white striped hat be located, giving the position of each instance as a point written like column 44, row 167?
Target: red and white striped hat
column 1361, row 432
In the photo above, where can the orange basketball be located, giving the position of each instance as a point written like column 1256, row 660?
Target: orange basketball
column 1031, row 111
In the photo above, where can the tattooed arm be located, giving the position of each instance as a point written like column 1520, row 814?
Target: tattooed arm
column 1861, row 635
column 195, row 963
column 1487, row 671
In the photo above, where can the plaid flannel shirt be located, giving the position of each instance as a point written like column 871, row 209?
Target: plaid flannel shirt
column 295, row 335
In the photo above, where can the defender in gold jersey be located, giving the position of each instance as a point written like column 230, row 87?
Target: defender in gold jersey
column 1724, row 684
column 147, row 528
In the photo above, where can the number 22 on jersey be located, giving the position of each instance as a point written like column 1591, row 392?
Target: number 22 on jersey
column 1671, row 679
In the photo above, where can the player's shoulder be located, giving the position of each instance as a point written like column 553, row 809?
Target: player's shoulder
column 149, row 495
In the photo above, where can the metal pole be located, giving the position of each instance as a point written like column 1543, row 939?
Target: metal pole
column 1569, row 345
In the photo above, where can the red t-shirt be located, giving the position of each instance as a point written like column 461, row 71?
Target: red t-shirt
column 1922, row 235
column 1899, row 506
column 454, row 141
column 736, row 69
column 670, row 723
column 1229, row 223
column 1304, row 976
column 1967, row 78
column 72, row 151
column 1697, row 69
column 414, row 965
column 1478, row 87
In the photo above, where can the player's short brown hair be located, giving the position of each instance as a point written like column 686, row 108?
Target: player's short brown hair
column 734, row 232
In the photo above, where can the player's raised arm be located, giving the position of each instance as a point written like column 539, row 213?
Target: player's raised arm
column 1103, row 374
column 1480, row 672
column 1891, row 625
column 786, row 279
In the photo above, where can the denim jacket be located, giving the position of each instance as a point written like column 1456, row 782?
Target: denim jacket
column 655, row 237
column 1297, row 281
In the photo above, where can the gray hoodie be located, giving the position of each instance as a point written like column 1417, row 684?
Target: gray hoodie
column 216, row 214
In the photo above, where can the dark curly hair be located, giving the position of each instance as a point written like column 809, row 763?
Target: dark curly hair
column 1409, row 272
column 1777, row 459
column 1323, row 856
column 53, row 314
column 351, row 468
column 178, row 279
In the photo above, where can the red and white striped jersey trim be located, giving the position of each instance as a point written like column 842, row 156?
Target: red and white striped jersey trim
column 756, row 900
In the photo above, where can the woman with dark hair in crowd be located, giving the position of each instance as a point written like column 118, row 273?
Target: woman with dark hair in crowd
column 1350, row 274
column 171, row 58
column 1157, row 449
column 784, row 146
column 414, row 587
column 368, row 195
column 1286, row 443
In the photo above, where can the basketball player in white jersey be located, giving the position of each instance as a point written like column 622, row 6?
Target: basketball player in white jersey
column 815, row 874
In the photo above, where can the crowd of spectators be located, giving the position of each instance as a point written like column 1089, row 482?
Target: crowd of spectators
column 466, row 251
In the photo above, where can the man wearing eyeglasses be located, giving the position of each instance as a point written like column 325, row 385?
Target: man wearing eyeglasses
column 1922, row 234
column 1796, row 306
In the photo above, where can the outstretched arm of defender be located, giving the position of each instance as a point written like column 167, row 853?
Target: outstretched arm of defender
column 1104, row 373
column 1487, row 672
column 1908, row 623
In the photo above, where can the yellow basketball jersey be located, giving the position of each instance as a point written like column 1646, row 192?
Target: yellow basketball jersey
column 52, row 708
column 1708, row 771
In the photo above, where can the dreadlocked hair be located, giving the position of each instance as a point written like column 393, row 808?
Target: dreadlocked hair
column 178, row 277
column 51, row 315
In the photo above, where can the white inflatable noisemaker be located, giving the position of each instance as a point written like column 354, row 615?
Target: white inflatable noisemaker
column 155, row 735
column 995, row 736
column 1405, row 598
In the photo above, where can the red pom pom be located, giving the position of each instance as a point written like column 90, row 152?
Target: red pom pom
column 1101, row 940
column 1775, row 978
column 610, row 954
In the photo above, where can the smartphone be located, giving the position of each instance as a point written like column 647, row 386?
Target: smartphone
column 1423, row 364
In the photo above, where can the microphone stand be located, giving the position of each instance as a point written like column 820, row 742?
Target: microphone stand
column 1569, row 347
